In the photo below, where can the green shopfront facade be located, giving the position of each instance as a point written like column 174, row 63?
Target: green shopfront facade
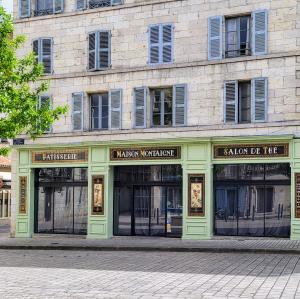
column 188, row 188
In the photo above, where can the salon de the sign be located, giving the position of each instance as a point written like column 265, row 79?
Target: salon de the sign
column 251, row 151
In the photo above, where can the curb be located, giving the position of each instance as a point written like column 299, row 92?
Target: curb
column 151, row 249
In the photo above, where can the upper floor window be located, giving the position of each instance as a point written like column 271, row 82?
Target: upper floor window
column 48, row 7
column 41, row 7
column 244, row 35
column 83, row 4
column 105, row 110
column 160, row 43
column 168, row 106
column 42, row 48
column 237, row 37
column 245, row 101
column 99, row 50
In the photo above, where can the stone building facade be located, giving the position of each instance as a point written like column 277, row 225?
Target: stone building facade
column 216, row 82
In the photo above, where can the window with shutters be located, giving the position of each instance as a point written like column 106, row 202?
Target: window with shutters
column 244, row 35
column 160, row 43
column 105, row 110
column 238, row 36
column 48, row 7
column 99, row 111
column 42, row 48
column 168, row 106
column 99, row 50
column 245, row 101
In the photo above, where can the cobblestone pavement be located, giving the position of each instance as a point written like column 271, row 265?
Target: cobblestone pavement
column 82, row 274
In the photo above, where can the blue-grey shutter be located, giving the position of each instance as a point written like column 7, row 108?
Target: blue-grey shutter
column 259, row 32
column 140, row 98
column 58, row 6
column 154, row 44
column 215, row 37
column 24, row 8
column 77, row 111
column 46, row 54
column 231, row 102
column 179, row 105
column 104, row 49
column 80, row 4
column 259, row 91
column 115, row 111
column 92, row 51
column 167, row 40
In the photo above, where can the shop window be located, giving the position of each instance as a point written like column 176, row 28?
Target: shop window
column 245, row 101
column 43, row 50
column 244, row 35
column 168, row 106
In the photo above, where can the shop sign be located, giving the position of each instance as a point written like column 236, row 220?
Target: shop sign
column 145, row 153
column 60, row 156
column 23, row 194
column 251, row 151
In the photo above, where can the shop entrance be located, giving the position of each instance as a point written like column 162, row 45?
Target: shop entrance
column 252, row 200
column 148, row 200
column 61, row 200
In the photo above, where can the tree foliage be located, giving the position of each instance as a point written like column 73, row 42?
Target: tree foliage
column 20, row 88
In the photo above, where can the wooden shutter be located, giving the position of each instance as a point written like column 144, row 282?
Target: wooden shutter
column 179, row 105
column 80, row 4
column 24, row 8
column 259, row 32
column 77, row 111
column 231, row 101
column 215, row 38
column 58, row 6
column 259, row 99
column 115, row 104
column 104, row 49
column 46, row 54
column 140, row 98
column 167, row 39
column 92, row 51
column 154, row 44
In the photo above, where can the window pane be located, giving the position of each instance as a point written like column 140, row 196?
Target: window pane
column 168, row 107
column 244, row 102
column 94, row 110
column 231, row 37
column 156, row 107
column 104, row 111
column 244, row 35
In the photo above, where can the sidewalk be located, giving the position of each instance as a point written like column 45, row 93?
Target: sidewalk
column 63, row 242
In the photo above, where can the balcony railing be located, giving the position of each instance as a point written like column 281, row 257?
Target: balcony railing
column 99, row 3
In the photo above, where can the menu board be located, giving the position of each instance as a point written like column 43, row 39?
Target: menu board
column 196, row 195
